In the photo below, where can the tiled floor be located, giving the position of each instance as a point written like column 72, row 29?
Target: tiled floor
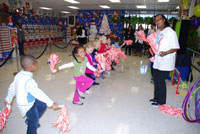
column 119, row 105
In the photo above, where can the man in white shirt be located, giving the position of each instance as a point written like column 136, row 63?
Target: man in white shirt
column 164, row 61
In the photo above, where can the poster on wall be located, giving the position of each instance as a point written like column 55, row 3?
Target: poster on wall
column 71, row 20
column 5, row 41
column 27, row 4
column 13, row 37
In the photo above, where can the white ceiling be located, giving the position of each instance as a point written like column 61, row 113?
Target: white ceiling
column 61, row 5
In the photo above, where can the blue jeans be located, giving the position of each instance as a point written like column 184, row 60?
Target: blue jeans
column 33, row 116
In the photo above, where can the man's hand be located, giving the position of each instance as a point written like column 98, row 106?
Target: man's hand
column 163, row 53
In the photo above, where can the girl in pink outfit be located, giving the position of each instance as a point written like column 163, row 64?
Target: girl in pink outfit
column 89, row 49
column 83, row 82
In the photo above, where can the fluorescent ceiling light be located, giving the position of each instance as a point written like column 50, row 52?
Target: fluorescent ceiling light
column 115, row 1
column 141, row 6
column 64, row 12
column 163, row 0
column 104, row 6
column 72, row 1
column 45, row 8
column 73, row 7
column 177, row 7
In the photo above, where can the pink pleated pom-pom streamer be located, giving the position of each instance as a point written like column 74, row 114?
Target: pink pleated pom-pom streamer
column 62, row 122
column 170, row 110
column 101, row 61
column 141, row 34
column 54, row 59
column 3, row 116
column 151, row 39
column 98, row 69
column 105, row 59
column 128, row 42
column 117, row 61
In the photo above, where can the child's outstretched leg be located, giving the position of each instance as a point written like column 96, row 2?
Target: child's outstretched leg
column 82, row 84
column 33, row 116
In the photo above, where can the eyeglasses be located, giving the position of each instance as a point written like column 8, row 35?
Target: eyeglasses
column 158, row 19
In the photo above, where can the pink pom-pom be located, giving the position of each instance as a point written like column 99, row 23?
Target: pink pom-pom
column 105, row 59
column 98, row 69
column 62, row 122
column 170, row 110
column 101, row 60
column 53, row 59
column 3, row 116
column 128, row 42
column 141, row 35
column 151, row 39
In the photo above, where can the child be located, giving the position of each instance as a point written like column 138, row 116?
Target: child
column 103, row 41
column 109, row 43
column 82, row 82
column 97, row 45
column 31, row 100
column 103, row 47
column 89, row 49
column 117, row 43
column 113, row 42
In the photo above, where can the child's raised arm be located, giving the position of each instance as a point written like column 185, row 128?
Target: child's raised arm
column 71, row 64
column 122, row 44
column 91, row 67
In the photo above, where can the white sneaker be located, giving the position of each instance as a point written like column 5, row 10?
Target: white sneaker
column 54, row 71
column 81, row 95
column 107, row 72
column 88, row 92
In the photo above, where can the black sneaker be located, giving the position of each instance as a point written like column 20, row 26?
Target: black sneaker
column 77, row 103
column 113, row 69
column 95, row 83
column 152, row 100
column 155, row 104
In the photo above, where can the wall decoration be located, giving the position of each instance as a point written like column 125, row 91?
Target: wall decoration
column 28, row 5
column 105, row 29
column 87, row 16
column 71, row 21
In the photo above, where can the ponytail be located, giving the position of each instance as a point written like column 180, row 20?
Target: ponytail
column 75, row 51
